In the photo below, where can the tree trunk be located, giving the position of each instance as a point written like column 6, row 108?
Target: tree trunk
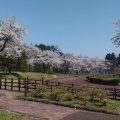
column 9, row 70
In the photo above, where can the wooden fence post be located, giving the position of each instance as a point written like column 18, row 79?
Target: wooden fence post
column 42, row 81
column 27, row 84
column 0, row 83
column 26, row 87
column 72, row 87
column 115, row 93
column 19, row 84
column 35, row 84
column 5, row 83
column 57, row 83
column 11, row 83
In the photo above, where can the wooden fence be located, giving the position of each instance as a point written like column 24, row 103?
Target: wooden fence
column 27, row 85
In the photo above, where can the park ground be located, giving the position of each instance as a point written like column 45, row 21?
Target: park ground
column 52, row 112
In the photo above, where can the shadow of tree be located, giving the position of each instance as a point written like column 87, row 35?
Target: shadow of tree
column 3, row 75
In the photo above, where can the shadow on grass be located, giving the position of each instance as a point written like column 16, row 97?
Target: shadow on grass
column 3, row 75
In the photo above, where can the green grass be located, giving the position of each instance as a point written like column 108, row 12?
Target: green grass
column 27, row 74
column 7, row 115
column 111, row 105
column 34, row 75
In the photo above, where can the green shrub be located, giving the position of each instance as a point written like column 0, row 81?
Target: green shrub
column 98, row 80
column 57, row 92
column 38, row 93
column 93, row 92
column 102, row 96
column 66, row 96
column 80, row 93
column 83, row 96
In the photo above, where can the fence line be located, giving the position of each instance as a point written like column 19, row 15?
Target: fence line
column 27, row 85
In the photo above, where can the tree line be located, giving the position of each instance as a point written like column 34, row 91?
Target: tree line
column 17, row 56
column 114, row 60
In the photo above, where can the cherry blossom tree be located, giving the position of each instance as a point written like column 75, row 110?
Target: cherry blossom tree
column 48, row 60
column 116, row 38
column 12, row 51
column 10, row 56
column 10, row 31
column 82, row 64
column 32, row 53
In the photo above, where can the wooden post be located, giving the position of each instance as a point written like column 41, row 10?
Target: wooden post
column 72, row 87
column 19, row 84
column 11, row 83
column 115, row 93
column 46, row 83
column 27, row 84
column 57, row 84
column 26, row 87
column 35, row 84
column 42, row 81
column 5, row 83
column 0, row 83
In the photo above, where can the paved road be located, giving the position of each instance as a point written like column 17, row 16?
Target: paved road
column 85, row 115
column 48, row 111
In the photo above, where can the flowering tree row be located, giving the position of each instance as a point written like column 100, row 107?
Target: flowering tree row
column 47, row 60
column 11, row 48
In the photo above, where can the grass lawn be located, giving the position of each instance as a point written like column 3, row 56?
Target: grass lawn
column 7, row 115
column 111, row 105
column 27, row 74
column 36, row 75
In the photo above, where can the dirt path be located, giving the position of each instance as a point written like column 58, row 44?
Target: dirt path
column 50, row 112
column 81, row 80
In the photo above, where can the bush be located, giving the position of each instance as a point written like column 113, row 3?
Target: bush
column 105, row 81
column 83, row 94
column 93, row 92
column 58, row 92
column 39, row 93
column 66, row 96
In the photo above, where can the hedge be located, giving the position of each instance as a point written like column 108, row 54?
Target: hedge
column 105, row 81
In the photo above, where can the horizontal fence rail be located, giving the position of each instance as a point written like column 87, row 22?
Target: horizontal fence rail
column 28, row 85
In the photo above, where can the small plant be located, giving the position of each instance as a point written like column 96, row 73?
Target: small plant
column 66, row 96
column 102, row 96
column 39, row 93
column 93, row 93
column 57, row 92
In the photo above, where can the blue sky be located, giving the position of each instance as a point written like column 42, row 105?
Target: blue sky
column 76, row 26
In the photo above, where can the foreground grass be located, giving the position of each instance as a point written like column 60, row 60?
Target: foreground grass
column 7, row 115
column 111, row 105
